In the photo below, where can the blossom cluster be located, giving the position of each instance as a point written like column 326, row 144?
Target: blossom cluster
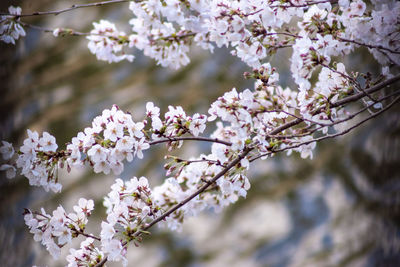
column 185, row 183
column 56, row 230
column 252, row 115
column 87, row 255
column 164, row 30
column 254, row 29
column 129, row 206
column 37, row 159
column 113, row 137
column 107, row 43
column 176, row 123
column 10, row 27
column 377, row 29
column 188, row 176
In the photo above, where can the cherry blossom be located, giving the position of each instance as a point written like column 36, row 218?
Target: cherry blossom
column 251, row 123
column 56, row 230
column 7, row 150
column 107, row 43
column 10, row 170
column 87, row 255
column 10, row 27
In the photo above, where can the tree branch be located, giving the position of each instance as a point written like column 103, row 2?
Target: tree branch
column 330, row 135
column 56, row 12
column 88, row 235
column 205, row 139
column 200, row 190
column 369, row 91
column 307, row 4
column 339, row 103
column 186, row 200
column 69, row 31
column 379, row 47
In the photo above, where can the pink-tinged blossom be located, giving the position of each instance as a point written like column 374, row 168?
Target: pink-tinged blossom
column 135, row 129
column 125, row 143
column 102, row 166
column 48, row 143
column 113, row 131
column 141, row 145
column 6, row 150
column 114, row 251
column 117, row 167
column 97, row 153
column 9, row 169
column 58, row 229
column 10, row 27
column 87, row 255
column 107, row 231
column 152, row 110
column 198, row 124
column 107, row 43
column 357, row 8
column 85, row 206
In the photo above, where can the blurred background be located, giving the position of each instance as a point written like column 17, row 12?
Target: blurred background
column 340, row 209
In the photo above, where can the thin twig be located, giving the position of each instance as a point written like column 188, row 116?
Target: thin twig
column 350, row 79
column 370, row 90
column 307, row 4
column 203, row 160
column 379, row 47
column 339, row 103
column 205, row 139
column 43, row 29
column 330, row 135
column 73, row 7
column 89, row 235
column 201, row 189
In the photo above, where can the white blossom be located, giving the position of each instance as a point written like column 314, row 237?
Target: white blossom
column 10, row 27
column 7, row 150
column 10, row 170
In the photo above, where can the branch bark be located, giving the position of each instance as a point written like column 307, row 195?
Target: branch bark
column 331, row 135
column 73, row 7
column 341, row 102
column 205, row 139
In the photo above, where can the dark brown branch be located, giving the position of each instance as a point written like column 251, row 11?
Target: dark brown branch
column 189, row 198
column 73, row 7
column 200, row 190
column 339, row 103
column 338, row 121
column 88, row 235
column 205, row 139
column 330, row 135
column 65, row 30
column 307, row 4
column 369, row 91
column 379, row 47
